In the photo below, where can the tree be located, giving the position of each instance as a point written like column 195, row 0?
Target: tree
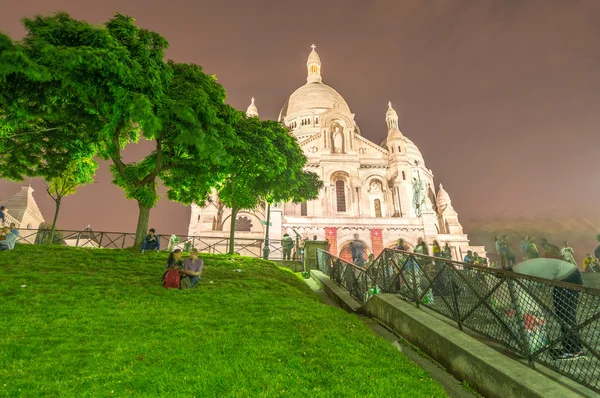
column 41, row 131
column 112, row 81
column 268, row 166
column 76, row 174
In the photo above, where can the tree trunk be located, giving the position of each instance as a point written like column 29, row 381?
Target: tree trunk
column 56, row 210
column 234, row 212
column 219, row 221
column 142, row 226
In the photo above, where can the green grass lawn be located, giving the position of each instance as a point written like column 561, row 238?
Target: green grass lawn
column 97, row 322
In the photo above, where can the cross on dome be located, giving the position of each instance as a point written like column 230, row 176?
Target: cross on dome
column 313, row 65
column 390, row 104
column 252, row 99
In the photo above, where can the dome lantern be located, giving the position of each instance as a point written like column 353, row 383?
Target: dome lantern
column 391, row 117
column 313, row 65
column 395, row 139
column 252, row 109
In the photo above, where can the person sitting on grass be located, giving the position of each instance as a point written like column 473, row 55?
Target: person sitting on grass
column 152, row 242
column 192, row 270
column 13, row 229
column 172, row 278
column 8, row 243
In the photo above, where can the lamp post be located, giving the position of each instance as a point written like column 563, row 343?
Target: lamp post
column 266, row 246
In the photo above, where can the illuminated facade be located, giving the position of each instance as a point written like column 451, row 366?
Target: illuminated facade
column 378, row 193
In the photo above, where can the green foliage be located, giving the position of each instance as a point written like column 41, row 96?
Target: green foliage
column 76, row 174
column 96, row 322
column 108, row 86
column 269, row 165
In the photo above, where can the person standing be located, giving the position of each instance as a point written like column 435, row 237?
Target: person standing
column 532, row 250
column 2, row 215
column 565, row 300
column 597, row 250
column 287, row 244
column 468, row 257
column 589, row 263
column 568, row 254
column 550, row 250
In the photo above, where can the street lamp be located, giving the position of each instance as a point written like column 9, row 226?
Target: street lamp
column 266, row 246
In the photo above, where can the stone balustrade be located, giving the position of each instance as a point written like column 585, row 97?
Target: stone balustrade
column 8, row 219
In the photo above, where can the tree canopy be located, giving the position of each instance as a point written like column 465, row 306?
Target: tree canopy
column 108, row 86
column 71, row 91
column 269, row 165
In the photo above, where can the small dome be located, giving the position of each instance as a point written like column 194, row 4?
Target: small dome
column 252, row 109
column 443, row 199
column 413, row 152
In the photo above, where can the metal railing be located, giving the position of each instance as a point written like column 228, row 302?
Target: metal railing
column 350, row 276
column 120, row 240
column 537, row 319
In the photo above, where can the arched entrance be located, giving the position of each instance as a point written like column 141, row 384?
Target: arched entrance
column 346, row 251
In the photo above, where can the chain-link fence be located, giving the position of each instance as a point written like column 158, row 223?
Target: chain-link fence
column 553, row 323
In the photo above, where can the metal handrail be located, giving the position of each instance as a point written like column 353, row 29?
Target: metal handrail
column 533, row 317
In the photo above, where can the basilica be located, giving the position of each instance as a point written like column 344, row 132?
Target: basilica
column 374, row 193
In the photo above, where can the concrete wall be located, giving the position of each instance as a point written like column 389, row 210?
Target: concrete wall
column 491, row 373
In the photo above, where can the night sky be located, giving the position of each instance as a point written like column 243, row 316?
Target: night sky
column 501, row 96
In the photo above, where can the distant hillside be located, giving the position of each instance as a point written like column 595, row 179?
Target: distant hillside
column 579, row 231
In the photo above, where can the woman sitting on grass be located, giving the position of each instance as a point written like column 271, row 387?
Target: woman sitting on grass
column 171, row 277
column 192, row 269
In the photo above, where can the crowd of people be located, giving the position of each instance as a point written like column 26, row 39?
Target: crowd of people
column 529, row 251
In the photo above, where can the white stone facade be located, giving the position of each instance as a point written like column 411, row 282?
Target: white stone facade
column 379, row 193
column 24, row 212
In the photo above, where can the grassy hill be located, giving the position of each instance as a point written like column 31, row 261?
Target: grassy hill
column 97, row 322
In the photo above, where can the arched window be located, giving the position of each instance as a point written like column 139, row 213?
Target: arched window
column 377, row 208
column 340, row 195
column 403, row 175
column 399, row 149
column 303, row 209
column 317, row 121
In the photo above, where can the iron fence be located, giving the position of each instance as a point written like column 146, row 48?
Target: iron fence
column 120, row 240
column 537, row 319
column 350, row 276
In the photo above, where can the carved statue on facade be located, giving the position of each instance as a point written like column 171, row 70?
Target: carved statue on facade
column 375, row 187
column 418, row 196
column 337, row 140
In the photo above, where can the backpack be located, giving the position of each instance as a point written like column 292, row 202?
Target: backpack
column 172, row 279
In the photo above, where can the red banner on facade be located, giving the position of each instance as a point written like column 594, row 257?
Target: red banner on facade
column 376, row 241
column 331, row 236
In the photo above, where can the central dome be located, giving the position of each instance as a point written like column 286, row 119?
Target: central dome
column 313, row 98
